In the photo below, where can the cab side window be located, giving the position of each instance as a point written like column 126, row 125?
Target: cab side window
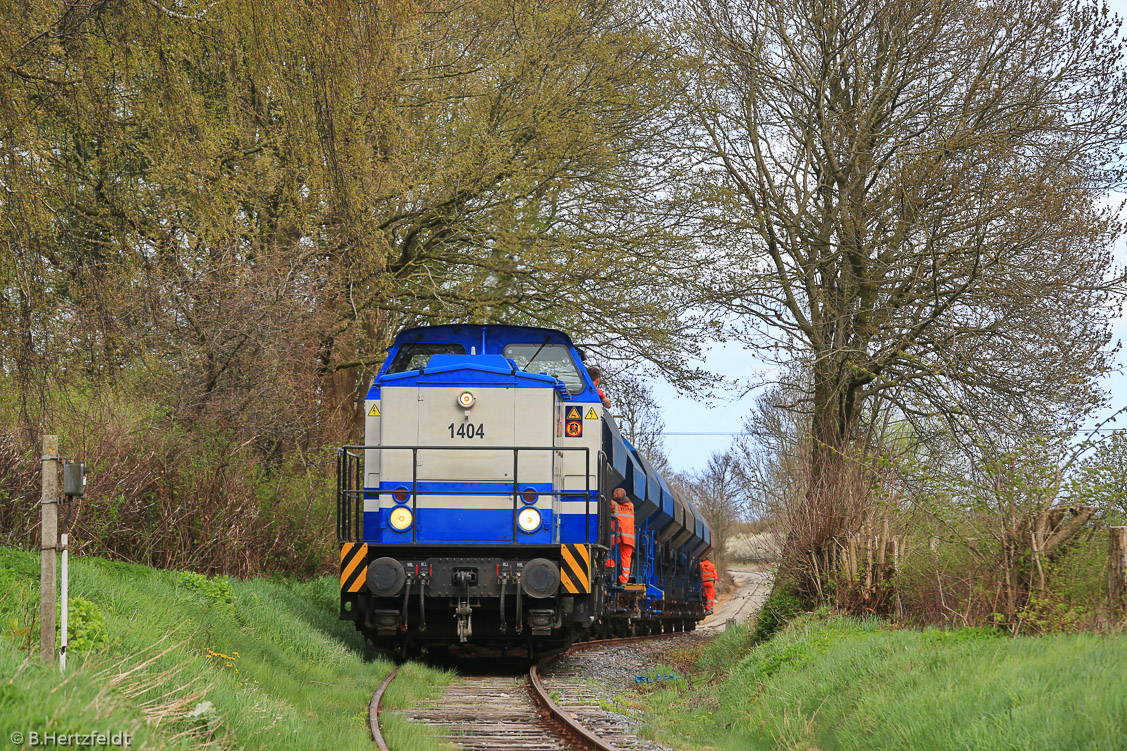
column 416, row 356
column 547, row 359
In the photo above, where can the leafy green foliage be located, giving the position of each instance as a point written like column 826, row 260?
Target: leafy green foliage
column 216, row 590
column 1100, row 478
column 1012, row 536
column 780, row 607
column 1049, row 614
column 968, row 633
column 86, row 630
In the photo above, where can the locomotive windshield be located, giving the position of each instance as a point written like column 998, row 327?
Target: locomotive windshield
column 547, row 359
column 416, row 356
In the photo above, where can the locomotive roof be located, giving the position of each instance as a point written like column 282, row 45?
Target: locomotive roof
column 445, row 332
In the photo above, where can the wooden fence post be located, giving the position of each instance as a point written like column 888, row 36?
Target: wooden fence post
column 882, row 553
column 48, row 542
column 868, row 561
column 1117, row 568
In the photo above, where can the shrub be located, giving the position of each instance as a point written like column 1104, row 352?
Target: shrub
column 1050, row 614
column 782, row 606
column 170, row 492
column 86, row 630
column 216, row 590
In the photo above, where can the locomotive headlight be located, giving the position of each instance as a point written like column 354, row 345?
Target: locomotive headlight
column 466, row 400
column 528, row 519
column 400, row 518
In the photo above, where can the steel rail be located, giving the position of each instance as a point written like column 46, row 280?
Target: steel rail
column 551, row 713
column 374, row 712
column 574, row 731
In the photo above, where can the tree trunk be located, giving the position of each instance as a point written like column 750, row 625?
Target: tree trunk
column 1117, row 570
column 832, row 505
column 343, row 404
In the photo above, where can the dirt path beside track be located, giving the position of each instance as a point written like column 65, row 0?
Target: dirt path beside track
column 753, row 584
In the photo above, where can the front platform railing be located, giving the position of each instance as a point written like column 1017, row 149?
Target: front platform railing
column 351, row 491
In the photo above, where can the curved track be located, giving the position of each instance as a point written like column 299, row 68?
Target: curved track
column 508, row 715
column 374, row 711
column 581, row 736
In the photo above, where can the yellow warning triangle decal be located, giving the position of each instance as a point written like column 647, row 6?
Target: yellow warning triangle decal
column 591, row 414
column 374, row 411
column 574, row 414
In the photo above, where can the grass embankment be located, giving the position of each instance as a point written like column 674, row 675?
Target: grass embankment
column 181, row 661
column 832, row 683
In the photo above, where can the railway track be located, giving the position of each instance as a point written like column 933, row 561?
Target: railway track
column 510, row 713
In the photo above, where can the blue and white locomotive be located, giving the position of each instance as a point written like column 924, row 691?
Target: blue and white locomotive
column 478, row 509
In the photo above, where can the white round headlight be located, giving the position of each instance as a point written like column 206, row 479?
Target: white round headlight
column 400, row 518
column 466, row 400
column 528, row 519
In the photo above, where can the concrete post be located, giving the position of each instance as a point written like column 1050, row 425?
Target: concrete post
column 48, row 542
column 64, row 573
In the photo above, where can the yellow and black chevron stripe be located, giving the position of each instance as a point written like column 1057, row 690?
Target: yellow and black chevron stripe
column 575, row 568
column 353, row 566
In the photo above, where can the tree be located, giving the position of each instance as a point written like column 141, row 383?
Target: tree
column 718, row 493
column 219, row 214
column 1099, row 477
column 638, row 417
column 908, row 199
column 292, row 183
column 772, row 453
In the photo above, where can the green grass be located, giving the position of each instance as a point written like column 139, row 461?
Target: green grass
column 846, row 684
column 192, row 662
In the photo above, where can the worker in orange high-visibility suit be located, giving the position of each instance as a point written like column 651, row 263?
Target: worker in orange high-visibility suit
column 707, row 582
column 623, row 532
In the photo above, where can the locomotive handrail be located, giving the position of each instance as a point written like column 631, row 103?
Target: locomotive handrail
column 603, row 522
column 350, row 525
column 344, row 510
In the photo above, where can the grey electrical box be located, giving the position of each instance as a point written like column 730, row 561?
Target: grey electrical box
column 74, row 480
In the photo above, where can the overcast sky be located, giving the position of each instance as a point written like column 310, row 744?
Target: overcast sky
column 695, row 429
